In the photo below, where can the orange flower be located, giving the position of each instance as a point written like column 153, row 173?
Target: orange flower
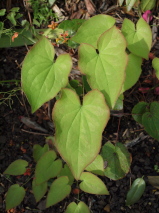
column 15, row 35
column 65, row 34
column 53, row 25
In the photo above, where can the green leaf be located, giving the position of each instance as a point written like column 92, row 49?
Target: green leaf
column 119, row 103
column 79, row 128
column 80, row 208
column 15, row 196
column 121, row 2
column 133, row 71
column 101, row 71
column 118, row 159
column 47, row 167
column 42, row 79
column 85, row 84
column 150, row 120
column 38, row 151
column 136, row 191
column 97, row 166
column 51, row 2
column 58, row 191
column 90, row 30
column 11, row 18
column 67, row 172
column 92, row 184
column 75, row 84
column 138, row 111
column 139, row 37
column 15, row 9
column 39, row 190
column 130, row 4
column 25, row 37
column 35, row 22
column 147, row 5
column 2, row 12
column 155, row 65
column 18, row 167
column 71, row 26
column 1, row 28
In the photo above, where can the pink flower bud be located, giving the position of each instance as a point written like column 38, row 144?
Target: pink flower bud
column 147, row 16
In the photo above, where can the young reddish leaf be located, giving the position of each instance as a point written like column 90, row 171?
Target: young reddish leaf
column 80, row 208
column 15, row 196
column 79, row 128
column 28, row 172
column 18, row 167
column 58, row 191
column 92, row 184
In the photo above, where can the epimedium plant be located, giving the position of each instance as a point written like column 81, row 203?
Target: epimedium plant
column 111, row 61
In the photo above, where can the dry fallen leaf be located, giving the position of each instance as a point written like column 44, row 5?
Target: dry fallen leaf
column 154, row 181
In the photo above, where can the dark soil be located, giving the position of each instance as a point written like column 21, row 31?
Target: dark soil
column 17, row 140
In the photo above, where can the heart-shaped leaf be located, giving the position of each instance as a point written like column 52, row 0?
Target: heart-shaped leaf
column 97, row 166
column 80, row 208
column 147, row 5
column 139, row 37
column 14, row 196
column 47, row 167
column 79, row 128
column 18, row 167
column 58, row 191
column 98, row 65
column 67, row 172
column 138, row 111
column 90, row 30
column 38, row 151
column 150, row 120
column 118, row 159
column 136, row 191
column 155, row 64
column 92, row 184
column 42, row 79
column 133, row 71
column 39, row 190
